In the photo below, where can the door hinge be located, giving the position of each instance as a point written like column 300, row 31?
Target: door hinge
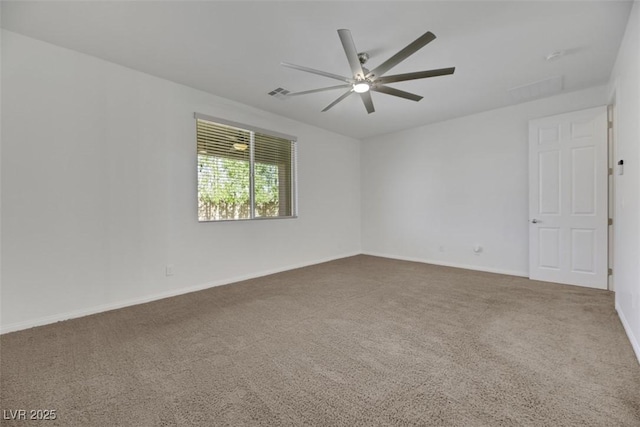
column 610, row 272
column 610, row 221
column 610, row 171
column 609, row 125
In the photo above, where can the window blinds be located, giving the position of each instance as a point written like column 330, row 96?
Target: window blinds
column 244, row 173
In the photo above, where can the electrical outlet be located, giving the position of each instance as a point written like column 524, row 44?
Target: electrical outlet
column 169, row 270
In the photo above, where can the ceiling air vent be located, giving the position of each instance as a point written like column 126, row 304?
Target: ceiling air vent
column 535, row 90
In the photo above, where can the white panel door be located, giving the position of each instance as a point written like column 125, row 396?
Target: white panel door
column 568, row 198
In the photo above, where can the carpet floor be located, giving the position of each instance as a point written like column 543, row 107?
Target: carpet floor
column 358, row 341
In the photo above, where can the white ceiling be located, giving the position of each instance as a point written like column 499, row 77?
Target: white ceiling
column 234, row 49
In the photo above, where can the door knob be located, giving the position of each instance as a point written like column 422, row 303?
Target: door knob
column 535, row 221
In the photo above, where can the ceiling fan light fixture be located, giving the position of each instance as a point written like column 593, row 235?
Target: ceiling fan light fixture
column 240, row 146
column 361, row 87
column 364, row 80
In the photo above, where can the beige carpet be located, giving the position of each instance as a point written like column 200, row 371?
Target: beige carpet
column 358, row 341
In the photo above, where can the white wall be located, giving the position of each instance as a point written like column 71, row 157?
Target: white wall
column 99, row 195
column 432, row 193
column 625, row 84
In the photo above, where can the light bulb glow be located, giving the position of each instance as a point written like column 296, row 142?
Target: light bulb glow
column 361, row 87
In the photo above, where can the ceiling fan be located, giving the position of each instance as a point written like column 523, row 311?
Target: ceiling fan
column 364, row 81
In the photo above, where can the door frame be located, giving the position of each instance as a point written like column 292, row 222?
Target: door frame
column 611, row 187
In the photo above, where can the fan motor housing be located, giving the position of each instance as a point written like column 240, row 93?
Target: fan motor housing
column 363, row 57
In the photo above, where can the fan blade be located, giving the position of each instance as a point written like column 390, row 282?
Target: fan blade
column 343, row 96
column 318, row 72
column 397, row 92
column 318, row 90
column 412, row 48
column 368, row 102
column 416, row 75
column 352, row 54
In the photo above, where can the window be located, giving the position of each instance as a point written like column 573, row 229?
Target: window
column 244, row 172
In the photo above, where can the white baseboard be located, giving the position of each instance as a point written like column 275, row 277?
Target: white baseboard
column 451, row 264
column 627, row 328
column 13, row 327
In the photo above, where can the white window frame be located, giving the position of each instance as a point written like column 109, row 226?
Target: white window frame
column 253, row 130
